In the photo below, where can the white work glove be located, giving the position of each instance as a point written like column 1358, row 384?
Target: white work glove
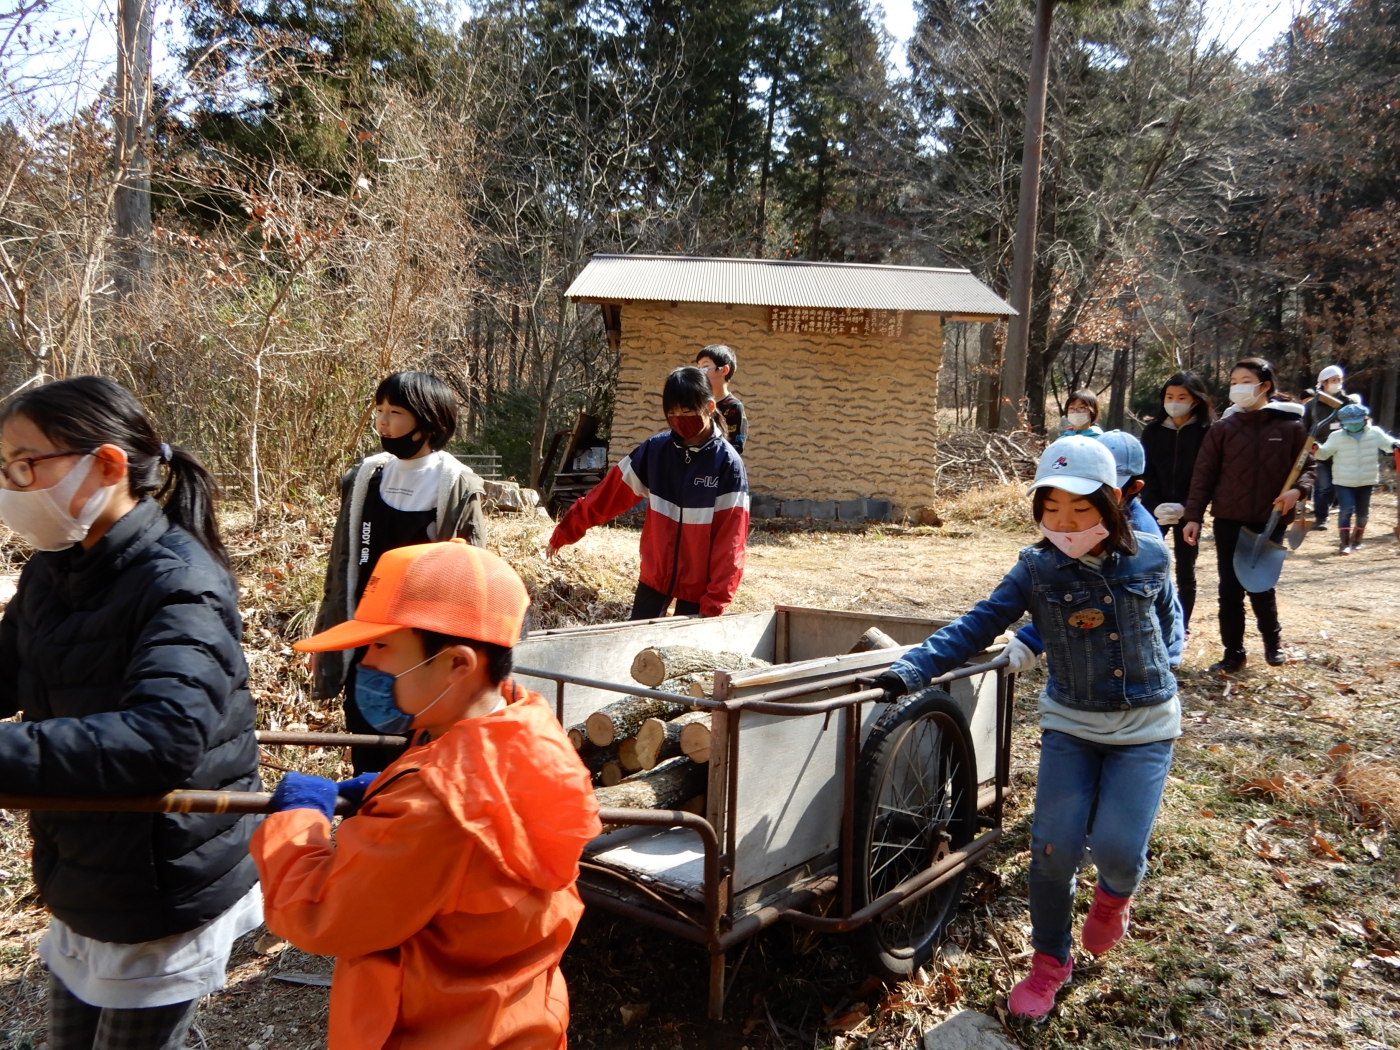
column 1169, row 513
column 1022, row 659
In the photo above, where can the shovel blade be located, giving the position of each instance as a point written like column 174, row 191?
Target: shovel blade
column 1294, row 536
column 1258, row 561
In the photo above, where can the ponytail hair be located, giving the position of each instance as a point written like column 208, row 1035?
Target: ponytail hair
column 88, row 411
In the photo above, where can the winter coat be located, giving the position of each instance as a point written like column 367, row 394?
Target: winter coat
column 459, row 513
column 126, row 662
column 449, row 898
column 1171, row 456
column 1245, row 459
column 1106, row 631
column 1353, row 456
column 697, row 519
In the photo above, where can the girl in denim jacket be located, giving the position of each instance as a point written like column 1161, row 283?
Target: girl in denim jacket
column 1101, row 598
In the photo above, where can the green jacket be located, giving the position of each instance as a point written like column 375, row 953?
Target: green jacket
column 459, row 513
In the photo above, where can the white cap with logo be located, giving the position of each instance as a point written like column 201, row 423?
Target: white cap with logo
column 1079, row 465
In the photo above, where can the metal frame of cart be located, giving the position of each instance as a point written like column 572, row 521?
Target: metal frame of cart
column 676, row 871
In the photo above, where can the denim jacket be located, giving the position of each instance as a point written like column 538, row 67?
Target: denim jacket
column 1105, row 633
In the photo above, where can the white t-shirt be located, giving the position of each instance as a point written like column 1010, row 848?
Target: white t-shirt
column 171, row 970
column 412, row 484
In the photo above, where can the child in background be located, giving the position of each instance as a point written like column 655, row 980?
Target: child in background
column 1171, row 443
column 448, row 898
column 1081, row 415
column 1102, row 597
column 718, row 362
column 410, row 493
column 1355, row 471
column 697, row 519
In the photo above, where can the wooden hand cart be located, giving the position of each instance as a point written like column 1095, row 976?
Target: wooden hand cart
column 826, row 807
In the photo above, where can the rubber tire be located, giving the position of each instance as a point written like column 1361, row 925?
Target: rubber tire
column 893, row 730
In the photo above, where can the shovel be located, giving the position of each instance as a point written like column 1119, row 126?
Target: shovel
column 1258, row 559
column 1299, row 529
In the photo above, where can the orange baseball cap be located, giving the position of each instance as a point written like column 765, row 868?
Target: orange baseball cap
column 450, row 588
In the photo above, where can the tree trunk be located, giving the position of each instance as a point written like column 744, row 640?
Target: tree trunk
column 1118, row 384
column 652, row 667
column 622, row 719
column 873, row 639
column 988, row 373
column 556, row 359
column 1013, row 368
column 132, row 202
column 695, row 738
column 675, row 781
column 658, row 740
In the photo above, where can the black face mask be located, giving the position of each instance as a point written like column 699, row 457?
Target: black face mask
column 405, row 447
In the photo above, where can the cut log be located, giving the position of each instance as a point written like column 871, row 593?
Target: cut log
column 701, row 688
column 695, row 738
column 624, row 717
column 611, row 774
column 675, row 781
column 873, row 639
column 627, row 755
column 694, row 805
column 578, row 736
column 658, row 740
column 653, row 666
column 595, row 758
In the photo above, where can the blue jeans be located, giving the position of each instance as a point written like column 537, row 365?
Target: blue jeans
column 1353, row 500
column 1100, row 796
column 1324, row 495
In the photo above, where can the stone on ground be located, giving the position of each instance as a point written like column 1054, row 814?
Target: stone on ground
column 968, row 1030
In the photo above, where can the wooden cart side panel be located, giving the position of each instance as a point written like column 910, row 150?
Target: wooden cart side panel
column 788, row 798
column 789, row 792
column 813, row 633
column 977, row 697
column 606, row 652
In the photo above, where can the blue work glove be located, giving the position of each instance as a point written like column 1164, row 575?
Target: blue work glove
column 354, row 789
column 299, row 791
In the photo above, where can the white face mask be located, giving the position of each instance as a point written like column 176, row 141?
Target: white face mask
column 1078, row 420
column 1245, row 393
column 1332, row 386
column 1076, row 544
column 41, row 516
column 1178, row 409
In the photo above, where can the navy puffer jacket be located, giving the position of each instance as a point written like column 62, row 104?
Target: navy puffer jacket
column 127, row 664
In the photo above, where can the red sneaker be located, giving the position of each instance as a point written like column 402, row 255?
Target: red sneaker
column 1106, row 922
column 1034, row 995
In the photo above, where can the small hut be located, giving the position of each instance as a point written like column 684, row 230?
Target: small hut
column 838, row 367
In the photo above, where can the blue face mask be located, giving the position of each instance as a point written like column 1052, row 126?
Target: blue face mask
column 1354, row 428
column 374, row 696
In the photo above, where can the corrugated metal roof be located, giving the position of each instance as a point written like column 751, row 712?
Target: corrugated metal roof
column 781, row 282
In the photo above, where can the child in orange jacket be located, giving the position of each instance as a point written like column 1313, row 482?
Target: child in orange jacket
column 448, row 898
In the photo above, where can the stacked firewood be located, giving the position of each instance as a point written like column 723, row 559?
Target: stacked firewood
column 649, row 753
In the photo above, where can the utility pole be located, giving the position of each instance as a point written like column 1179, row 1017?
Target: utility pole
column 1013, row 368
column 132, row 203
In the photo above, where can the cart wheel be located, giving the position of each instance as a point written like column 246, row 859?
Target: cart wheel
column 916, row 802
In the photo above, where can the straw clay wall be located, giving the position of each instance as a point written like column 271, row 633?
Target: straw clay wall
column 830, row 417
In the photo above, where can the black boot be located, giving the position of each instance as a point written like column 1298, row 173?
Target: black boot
column 1232, row 661
column 1273, row 654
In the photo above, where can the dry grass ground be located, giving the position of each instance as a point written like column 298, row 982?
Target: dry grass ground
column 1271, row 911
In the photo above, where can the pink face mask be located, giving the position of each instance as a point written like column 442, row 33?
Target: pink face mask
column 1077, row 544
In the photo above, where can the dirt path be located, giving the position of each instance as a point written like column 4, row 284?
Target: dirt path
column 1245, row 933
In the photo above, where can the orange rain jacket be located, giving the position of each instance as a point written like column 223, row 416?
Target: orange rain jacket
column 449, row 898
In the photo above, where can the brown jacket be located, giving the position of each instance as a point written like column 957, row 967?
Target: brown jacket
column 1245, row 459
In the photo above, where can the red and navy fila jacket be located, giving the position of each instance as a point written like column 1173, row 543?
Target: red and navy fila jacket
column 697, row 520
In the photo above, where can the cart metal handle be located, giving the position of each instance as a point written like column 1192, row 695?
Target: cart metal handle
column 769, row 703
column 188, row 801
column 310, row 739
